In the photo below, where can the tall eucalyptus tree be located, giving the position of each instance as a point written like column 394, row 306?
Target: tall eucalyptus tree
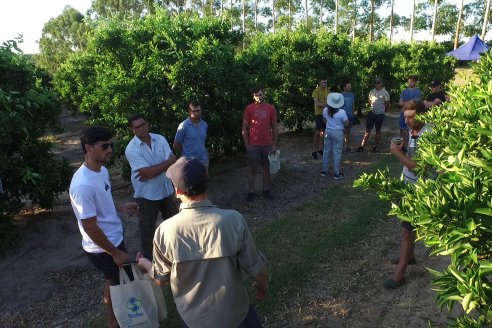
column 458, row 26
column 485, row 20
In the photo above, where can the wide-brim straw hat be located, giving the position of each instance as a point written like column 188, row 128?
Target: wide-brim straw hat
column 335, row 100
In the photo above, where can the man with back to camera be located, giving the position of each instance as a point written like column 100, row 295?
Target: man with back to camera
column 410, row 93
column 379, row 100
column 93, row 205
column 149, row 156
column 408, row 235
column 319, row 97
column 202, row 252
column 191, row 134
column 260, row 137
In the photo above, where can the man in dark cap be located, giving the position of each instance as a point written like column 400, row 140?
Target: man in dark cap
column 437, row 95
column 202, row 252
column 379, row 100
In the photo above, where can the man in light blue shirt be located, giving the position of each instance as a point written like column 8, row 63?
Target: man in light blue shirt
column 348, row 106
column 149, row 156
column 191, row 135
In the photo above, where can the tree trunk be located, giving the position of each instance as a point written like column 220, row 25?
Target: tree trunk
column 412, row 19
column 273, row 16
column 256, row 14
column 290, row 13
column 485, row 20
column 244, row 16
column 434, row 20
column 458, row 26
column 391, row 20
column 306, row 14
column 355, row 21
column 336, row 17
column 371, row 25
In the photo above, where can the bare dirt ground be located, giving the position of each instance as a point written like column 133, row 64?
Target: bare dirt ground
column 47, row 281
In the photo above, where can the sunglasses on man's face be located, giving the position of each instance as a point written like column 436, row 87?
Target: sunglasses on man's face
column 105, row 146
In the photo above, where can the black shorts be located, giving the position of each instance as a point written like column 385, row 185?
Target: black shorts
column 105, row 263
column 320, row 125
column 374, row 119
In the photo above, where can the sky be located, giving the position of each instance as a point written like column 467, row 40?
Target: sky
column 27, row 17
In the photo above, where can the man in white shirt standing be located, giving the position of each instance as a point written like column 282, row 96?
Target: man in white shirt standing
column 379, row 100
column 93, row 205
column 150, row 156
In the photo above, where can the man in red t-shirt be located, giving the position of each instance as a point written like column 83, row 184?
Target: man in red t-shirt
column 260, row 136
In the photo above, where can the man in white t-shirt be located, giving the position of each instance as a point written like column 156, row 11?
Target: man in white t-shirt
column 92, row 203
column 149, row 156
column 379, row 99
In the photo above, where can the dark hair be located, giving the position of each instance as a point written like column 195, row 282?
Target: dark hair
column 417, row 105
column 134, row 117
column 344, row 83
column 194, row 103
column 92, row 134
column 197, row 189
column 257, row 89
column 332, row 110
column 413, row 77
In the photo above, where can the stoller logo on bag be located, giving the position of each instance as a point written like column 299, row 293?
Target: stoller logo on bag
column 134, row 304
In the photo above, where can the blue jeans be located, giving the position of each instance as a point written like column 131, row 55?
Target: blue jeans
column 333, row 147
column 251, row 320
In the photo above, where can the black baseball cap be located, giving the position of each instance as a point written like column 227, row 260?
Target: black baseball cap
column 434, row 83
column 189, row 176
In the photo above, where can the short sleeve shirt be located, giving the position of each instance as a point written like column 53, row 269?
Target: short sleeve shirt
column 260, row 118
column 411, row 94
column 140, row 155
column 90, row 196
column 320, row 95
column 335, row 122
column 202, row 251
column 377, row 98
column 348, row 104
column 192, row 139
column 437, row 95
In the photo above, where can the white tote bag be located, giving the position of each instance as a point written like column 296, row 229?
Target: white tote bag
column 274, row 159
column 134, row 304
column 159, row 298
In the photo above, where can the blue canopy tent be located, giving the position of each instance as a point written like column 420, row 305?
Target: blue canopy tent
column 470, row 50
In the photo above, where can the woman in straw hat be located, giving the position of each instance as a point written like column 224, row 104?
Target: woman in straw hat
column 336, row 121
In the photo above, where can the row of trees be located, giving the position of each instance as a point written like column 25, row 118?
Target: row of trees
column 68, row 32
column 156, row 64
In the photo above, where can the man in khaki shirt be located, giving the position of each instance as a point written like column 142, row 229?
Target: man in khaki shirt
column 202, row 252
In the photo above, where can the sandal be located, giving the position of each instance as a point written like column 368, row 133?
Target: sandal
column 392, row 284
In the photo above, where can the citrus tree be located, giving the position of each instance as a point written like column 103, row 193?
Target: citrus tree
column 27, row 168
column 453, row 212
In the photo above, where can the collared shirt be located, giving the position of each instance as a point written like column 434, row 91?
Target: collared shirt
column 320, row 95
column 192, row 139
column 140, row 155
column 377, row 99
column 202, row 251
